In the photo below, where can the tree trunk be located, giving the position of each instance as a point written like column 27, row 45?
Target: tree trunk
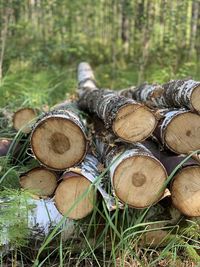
column 130, row 170
column 76, row 194
column 194, row 25
column 4, row 34
column 59, row 138
column 184, row 187
column 125, row 26
column 126, row 118
column 179, row 131
column 178, row 93
column 40, row 181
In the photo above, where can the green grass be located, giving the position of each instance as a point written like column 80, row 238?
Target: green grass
column 103, row 238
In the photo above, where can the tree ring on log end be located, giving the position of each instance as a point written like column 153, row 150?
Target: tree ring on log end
column 185, row 191
column 58, row 142
column 75, row 197
column 182, row 134
column 40, row 181
column 195, row 98
column 138, row 181
column 134, row 122
column 22, row 118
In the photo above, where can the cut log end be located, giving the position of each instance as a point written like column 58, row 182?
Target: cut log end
column 39, row 181
column 4, row 146
column 74, row 197
column 183, row 133
column 185, row 191
column 58, row 143
column 134, row 123
column 23, row 118
column 195, row 98
column 138, row 181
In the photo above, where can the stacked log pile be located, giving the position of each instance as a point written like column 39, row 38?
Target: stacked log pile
column 99, row 141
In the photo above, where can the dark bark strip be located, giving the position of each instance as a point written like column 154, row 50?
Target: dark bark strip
column 168, row 158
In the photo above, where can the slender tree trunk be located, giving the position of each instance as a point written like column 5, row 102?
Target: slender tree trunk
column 4, row 34
column 125, row 26
column 194, row 25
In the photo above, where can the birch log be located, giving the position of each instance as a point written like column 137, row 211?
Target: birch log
column 185, row 190
column 75, row 196
column 5, row 144
column 39, row 181
column 126, row 118
column 59, row 138
column 137, row 177
column 179, row 131
column 183, row 93
column 177, row 93
column 10, row 147
column 185, row 186
column 23, row 119
column 151, row 95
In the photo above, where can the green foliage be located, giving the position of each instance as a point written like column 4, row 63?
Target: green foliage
column 60, row 33
column 14, row 218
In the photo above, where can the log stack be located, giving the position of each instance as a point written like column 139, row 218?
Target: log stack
column 80, row 161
